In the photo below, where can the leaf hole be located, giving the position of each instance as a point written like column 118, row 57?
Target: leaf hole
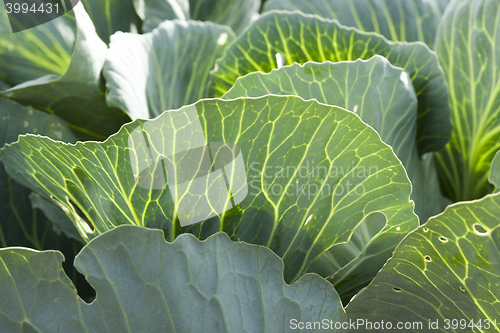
column 443, row 239
column 480, row 230
column 425, row 229
column 398, row 290
column 462, row 289
column 427, row 258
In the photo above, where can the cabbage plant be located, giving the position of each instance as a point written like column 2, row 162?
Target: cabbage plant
column 238, row 166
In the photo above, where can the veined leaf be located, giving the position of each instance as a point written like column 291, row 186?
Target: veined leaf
column 151, row 73
column 42, row 50
column 446, row 269
column 313, row 172
column 111, row 16
column 383, row 97
column 145, row 284
column 467, row 45
column 76, row 95
column 378, row 92
column 236, row 14
column 399, row 20
column 20, row 225
column 298, row 37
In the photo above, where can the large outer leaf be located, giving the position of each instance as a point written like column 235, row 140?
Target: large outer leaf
column 378, row 92
column 144, row 284
column 29, row 54
column 301, row 38
column 272, row 132
column 446, row 269
column 148, row 74
column 398, row 20
column 467, row 45
column 110, row 16
column 76, row 95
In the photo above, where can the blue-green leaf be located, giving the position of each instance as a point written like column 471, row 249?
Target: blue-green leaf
column 144, row 284
column 151, row 73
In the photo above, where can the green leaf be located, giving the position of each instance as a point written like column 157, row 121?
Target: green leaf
column 383, row 98
column 334, row 167
column 55, row 213
column 75, row 96
column 148, row 74
column 4, row 85
column 237, row 14
column 400, row 20
column 154, row 12
column 301, row 38
column 447, row 269
column 468, row 51
column 111, row 16
column 378, row 92
column 494, row 177
column 20, row 225
column 443, row 4
column 144, row 284
column 42, row 50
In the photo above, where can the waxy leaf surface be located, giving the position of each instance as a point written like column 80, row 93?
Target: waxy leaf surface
column 314, row 173
column 383, row 97
column 144, row 284
column 151, row 73
column 75, row 93
column 410, row 21
column 446, row 269
column 468, row 45
column 283, row 38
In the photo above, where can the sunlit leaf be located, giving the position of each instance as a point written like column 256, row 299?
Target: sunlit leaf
column 314, row 173
column 295, row 37
column 467, row 45
column 446, row 271
column 397, row 20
